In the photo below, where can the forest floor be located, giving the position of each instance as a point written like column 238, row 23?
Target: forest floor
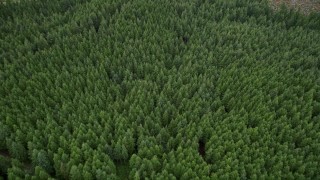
column 304, row 6
column 27, row 165
column 4, row 153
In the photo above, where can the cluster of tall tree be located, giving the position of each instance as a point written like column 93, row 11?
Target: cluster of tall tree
column 193, row 89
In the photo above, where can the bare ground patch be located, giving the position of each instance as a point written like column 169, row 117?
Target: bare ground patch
column 304, row 6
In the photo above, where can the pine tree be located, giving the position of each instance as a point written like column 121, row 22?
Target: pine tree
column 3, row 134
column 41, row 159
column 75, row 173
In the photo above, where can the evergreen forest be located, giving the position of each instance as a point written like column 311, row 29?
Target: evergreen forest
column 158, row 89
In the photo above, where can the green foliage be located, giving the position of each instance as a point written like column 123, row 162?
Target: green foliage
column 40, row 173
column 161, row 89
column 17, row 150
column 16, row 171
column 123, row 170
column 3, row 134
column 41, row 159
column 75, row 173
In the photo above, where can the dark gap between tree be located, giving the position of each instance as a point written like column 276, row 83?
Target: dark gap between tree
column 185, row 39
column 202, row 148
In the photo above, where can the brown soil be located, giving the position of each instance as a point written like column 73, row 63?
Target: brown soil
column 304, row 6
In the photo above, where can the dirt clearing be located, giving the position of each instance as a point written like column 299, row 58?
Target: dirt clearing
column 304, row 6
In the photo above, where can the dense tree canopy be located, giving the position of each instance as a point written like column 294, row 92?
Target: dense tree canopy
column 193, row 89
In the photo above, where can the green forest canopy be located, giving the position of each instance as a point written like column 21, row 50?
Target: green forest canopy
column 97, row 89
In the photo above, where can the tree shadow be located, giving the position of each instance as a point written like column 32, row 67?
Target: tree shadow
column 185, row 39
column 202, row 148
